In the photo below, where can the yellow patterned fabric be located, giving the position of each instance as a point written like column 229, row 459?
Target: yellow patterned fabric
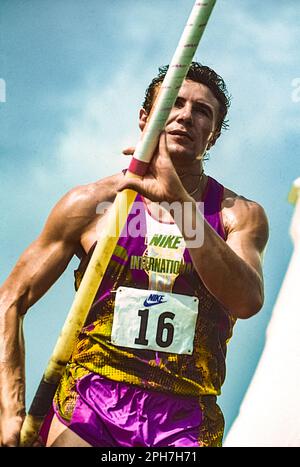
column 203, row 372
column 135, row 263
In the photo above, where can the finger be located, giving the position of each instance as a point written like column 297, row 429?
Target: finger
column 10, row 441
column 128, row 151
column 153, row 170
column 39, row 443
column 10, row 435
column 163, row 148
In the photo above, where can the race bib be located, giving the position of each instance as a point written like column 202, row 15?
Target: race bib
column 153, row 320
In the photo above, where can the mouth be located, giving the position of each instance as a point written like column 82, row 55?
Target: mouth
column 181, row 133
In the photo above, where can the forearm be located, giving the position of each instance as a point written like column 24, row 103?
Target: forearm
column 12, row 356
column 233, row 282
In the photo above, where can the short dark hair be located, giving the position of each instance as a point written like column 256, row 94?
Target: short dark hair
column 200, row 74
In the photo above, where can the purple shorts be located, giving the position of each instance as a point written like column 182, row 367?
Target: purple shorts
column 112, row 414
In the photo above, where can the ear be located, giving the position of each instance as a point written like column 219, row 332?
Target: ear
column 143, row 117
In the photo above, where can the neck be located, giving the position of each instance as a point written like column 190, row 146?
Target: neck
column 183, row 167
column 192, row 178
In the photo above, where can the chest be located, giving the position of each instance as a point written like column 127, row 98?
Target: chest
column 160, row 224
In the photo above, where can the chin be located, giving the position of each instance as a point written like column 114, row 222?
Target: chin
column 182, row 157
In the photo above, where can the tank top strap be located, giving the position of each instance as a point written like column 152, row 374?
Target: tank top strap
column 85, row 259
column 212, row 200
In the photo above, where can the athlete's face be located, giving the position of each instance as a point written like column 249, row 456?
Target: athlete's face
column 192, row 122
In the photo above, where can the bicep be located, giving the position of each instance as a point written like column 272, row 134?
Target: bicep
column 249, row 236
column 38, row 268
column 49, row 255
column 247, row 249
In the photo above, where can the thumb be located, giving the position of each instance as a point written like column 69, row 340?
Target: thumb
column 129, row 151
column 130, row 183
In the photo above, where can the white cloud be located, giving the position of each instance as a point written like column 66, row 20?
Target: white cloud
column 93, row 138
column 271, row 39
column 259, row 61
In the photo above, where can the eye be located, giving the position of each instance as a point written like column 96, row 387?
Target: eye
column 179, row 103
column 202, row 110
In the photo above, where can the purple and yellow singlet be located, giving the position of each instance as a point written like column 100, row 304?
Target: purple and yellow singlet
column 153, row 324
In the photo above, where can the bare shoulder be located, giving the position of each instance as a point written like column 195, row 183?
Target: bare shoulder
column 84, row 198
column 77, row 208
column 243, row 214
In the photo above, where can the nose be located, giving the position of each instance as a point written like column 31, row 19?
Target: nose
column 185, row 114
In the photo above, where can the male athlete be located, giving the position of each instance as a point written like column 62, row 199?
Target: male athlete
column 150, row 360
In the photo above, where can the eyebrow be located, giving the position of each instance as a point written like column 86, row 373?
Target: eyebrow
column 200, row 103
column 205, row 106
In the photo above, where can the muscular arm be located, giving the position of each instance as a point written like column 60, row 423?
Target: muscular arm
column 232, row 270
column 37, row 269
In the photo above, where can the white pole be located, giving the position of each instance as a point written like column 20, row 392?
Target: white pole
column 270, row 412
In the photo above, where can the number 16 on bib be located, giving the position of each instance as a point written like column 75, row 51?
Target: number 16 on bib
column 154, row 320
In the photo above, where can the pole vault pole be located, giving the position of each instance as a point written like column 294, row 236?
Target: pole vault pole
column 106, row 242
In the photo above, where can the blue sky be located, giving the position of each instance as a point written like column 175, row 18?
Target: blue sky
column 75, row 74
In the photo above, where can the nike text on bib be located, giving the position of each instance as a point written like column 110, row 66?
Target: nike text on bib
column 154, row 320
